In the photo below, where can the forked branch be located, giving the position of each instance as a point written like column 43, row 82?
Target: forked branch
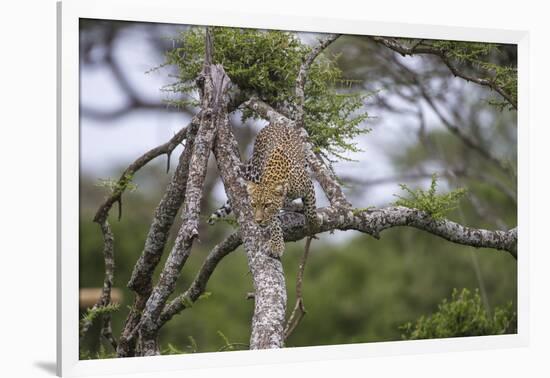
column 421, row 48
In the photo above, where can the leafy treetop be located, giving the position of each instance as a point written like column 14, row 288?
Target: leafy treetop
column 265, row 64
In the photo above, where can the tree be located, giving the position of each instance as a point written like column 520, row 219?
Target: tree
column 273, row 76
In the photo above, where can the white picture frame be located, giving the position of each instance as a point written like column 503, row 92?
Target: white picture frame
column 173, row 11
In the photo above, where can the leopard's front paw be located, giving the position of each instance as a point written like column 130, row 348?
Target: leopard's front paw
column 277, row 249
column 314, row 224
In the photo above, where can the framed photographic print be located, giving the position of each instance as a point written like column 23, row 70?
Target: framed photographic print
column 287, row 188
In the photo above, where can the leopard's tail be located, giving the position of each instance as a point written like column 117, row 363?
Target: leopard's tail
column 222, row 212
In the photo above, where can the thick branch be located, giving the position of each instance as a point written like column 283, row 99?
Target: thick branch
column 116, row 196
column 213, row 84
column 374, row 221
column 267, row 272
column 424, row 49
column 165, row 214
column 267, row 112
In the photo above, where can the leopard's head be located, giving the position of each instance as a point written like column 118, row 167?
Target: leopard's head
column 267, row 199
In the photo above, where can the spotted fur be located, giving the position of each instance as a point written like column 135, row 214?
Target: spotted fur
column 276, row 174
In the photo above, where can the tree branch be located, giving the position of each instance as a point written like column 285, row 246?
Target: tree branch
column 140, row 105
column 371, row 221
column 374, row 221
column 186, row 234
column 164, row 217
column 134, row 100
column 267, row 272
column 166, row 148
column 105, row 298
column 468, row 140
column 214, row 84
column 198, row 285
column 449, row 173
column 423, row 49
column 165, row 214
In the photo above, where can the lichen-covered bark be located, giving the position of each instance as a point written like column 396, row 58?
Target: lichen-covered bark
column 163, row 219
column 374, row 221
column 127, row 341
column 214, row 84
column 165, row 213
column 267, row 272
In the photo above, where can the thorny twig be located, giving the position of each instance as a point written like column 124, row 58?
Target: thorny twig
column 299, row 309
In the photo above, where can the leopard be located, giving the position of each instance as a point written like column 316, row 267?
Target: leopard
column 276, row 174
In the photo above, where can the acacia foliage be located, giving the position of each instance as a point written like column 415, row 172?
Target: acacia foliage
column 483, row 61
column 484, row 58
column 436, row 205
column 265, row 64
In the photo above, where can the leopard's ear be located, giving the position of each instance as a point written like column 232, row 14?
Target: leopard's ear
column 251, row 187
column 280, row 188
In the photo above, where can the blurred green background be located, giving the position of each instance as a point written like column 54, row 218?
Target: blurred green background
column 356, row 289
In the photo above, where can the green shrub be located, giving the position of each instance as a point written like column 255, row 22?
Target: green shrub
column 463, row 316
